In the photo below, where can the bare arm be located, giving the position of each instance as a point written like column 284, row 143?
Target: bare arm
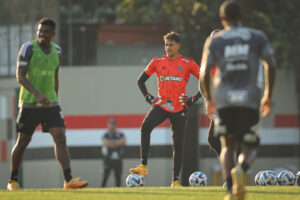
column 21, row 78
column 270, row 72
column 56, row 81
column 204, row 83
column 114, row 143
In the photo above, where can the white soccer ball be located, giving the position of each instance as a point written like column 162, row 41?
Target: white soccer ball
column 135, row 180
column 268, row 177
column 298, row 178
column 198, row 179
column 286, row 177
column 257, row 178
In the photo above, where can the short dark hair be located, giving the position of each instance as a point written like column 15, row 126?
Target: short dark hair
column 231, row 10
column 112, row 120
column 172, row 36
column 48, row 22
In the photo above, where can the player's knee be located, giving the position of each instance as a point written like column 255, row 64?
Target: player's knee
column 251, row 139
column 146, row 127
column 60, row 138
column 24, row 140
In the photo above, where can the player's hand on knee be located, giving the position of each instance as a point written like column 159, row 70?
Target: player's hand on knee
column 187, row 100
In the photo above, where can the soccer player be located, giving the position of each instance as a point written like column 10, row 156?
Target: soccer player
column 212, row 139
column 37, row 72
column 173, row 72
column 112, row 151
column 237, row 50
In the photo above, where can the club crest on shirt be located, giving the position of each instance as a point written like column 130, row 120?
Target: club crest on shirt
column 179, row 68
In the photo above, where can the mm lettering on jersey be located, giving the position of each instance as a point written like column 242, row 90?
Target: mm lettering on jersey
column 236, row 50
column 163, row 78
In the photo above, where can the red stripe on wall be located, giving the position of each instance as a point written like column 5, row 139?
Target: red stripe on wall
column 135, row 121
column 286, row 121
column 3, row 151
column 100, row 121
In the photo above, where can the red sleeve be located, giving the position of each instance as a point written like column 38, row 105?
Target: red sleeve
column 151, row 68
column 195, row 69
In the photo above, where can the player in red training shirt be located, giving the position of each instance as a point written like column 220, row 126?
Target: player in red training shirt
column 173, row 72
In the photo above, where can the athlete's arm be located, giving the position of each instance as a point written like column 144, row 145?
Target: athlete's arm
column 148, row 97
column 270, row 72
column 121, row 142
column 207, row 64
column 21, row 78
column 141, row 83
column 56, row 81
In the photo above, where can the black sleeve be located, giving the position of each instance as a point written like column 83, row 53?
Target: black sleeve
column 198, row 95
column 141, row 83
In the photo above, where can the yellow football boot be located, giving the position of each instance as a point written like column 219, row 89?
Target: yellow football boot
column 140, row 169
column 75, row 183
column 175, row 184
column 13, row 185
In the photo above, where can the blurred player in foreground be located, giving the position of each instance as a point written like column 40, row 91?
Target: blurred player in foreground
column 212, row 139
column 237, row 51
column 37, row 72
column 173, row 72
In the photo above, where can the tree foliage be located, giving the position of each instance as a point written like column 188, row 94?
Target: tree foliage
column 195, row 19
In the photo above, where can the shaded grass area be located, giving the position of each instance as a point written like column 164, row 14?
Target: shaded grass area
column 152, row 193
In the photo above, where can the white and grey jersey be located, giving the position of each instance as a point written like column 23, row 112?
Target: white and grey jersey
column 238, row 52
column 26, row 52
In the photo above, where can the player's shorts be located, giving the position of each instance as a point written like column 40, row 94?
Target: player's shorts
column 240, row 122
column 29, row 118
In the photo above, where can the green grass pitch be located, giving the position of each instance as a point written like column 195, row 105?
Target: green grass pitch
column 152, row 193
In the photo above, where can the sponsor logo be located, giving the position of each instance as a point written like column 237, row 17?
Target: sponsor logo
column 163, row 78
column 168, row 105
column 179, row 68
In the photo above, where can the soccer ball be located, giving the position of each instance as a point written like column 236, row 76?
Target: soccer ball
column 268, row 177
column 135, row 180
column 198, row 179
column 257, row 178
column 286, row 177
column 298, row 178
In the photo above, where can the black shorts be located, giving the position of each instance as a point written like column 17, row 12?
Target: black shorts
column 29, row 118
column 239, row 122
